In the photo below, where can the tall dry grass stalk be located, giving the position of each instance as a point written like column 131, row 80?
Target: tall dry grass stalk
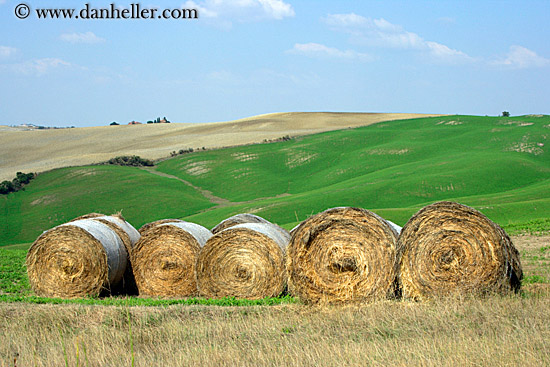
column 493, row 331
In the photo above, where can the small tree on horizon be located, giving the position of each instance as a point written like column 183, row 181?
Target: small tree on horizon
column 505, row 114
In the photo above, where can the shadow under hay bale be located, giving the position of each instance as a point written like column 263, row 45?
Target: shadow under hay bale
column 238, row 219
column 342, row 255
column 76, row 259
column 129, row 236
column 165, row 257
column 244, row 261
column 448, row 248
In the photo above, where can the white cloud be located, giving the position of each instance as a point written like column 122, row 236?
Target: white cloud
column 444, row 53
column 520, row 58
column 87, row 37
column 347, row 20
column 6, row 51
column 277, row 9
column 319, row 50
column 38, row 66
column 203, row 12
column 242, row 10
column 383, row 34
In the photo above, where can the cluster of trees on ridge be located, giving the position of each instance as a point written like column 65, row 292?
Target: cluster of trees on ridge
column 158, row 120
column 16, row 184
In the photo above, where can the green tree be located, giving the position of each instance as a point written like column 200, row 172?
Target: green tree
column 505, row 114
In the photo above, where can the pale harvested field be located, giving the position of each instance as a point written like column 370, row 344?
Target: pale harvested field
column 454, row 331
column 448, row 332
column 43, row 150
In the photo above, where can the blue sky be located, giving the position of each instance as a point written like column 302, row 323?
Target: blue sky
column 247, row 57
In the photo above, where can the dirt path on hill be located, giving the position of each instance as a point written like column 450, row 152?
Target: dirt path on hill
column 220, row 202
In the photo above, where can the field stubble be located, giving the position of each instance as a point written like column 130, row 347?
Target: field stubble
column 447, row 332
column 495, row 330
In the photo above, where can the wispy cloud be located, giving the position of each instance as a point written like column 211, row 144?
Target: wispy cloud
column 520, row 57
column 443, row 53
column 242, row 10
column 38, row 67
column 383, row 34
column 319, row 50
column 87, row 37
column 6, row 52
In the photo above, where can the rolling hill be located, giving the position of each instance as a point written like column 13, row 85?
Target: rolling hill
column 497, row 165
column 43, row 150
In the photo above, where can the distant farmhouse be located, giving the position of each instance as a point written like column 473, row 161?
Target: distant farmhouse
column 158, row 120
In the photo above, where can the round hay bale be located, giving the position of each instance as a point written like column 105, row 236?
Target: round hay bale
column 148, row 226
column 76, row 259
column 129, row 236
column 448, row 248
column 125, row 230
column 238, row 219
column 88, row 216
column 243, row 261
column 165, row 257
column 342, row 255
column 396, row 227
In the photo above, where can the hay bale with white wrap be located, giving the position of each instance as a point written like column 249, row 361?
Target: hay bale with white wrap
column 148, row 226
column 165, row 257
column 130, row 236
column 76, row 259
column 448, row 248
column 342, row 255
column 238, row 219
column 244, row 261
column 88, row 216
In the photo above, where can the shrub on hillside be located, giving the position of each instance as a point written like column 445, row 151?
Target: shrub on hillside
column 133, row 160
column 16, row 184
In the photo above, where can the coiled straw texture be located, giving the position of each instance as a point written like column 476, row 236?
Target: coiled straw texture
column 238, row 219
column 76, row 259
column 165, row 257
column 342, row 255
column 448, row 248
column 244, row 261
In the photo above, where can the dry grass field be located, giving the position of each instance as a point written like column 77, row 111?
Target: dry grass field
column 454, row 331
column 42, row 150
column 448, row 332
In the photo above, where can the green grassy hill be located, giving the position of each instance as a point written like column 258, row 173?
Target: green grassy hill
column 498, row 165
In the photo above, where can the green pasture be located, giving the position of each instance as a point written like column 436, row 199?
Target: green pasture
column 498, row 165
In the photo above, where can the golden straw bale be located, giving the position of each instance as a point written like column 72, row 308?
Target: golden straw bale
column 448, row 248
column 148, row 226
column 88, row 216
column 244, row 261
column 342, row 255
column 76, row 259
column 129, row 236
column 165, row 257
column 238, row 219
